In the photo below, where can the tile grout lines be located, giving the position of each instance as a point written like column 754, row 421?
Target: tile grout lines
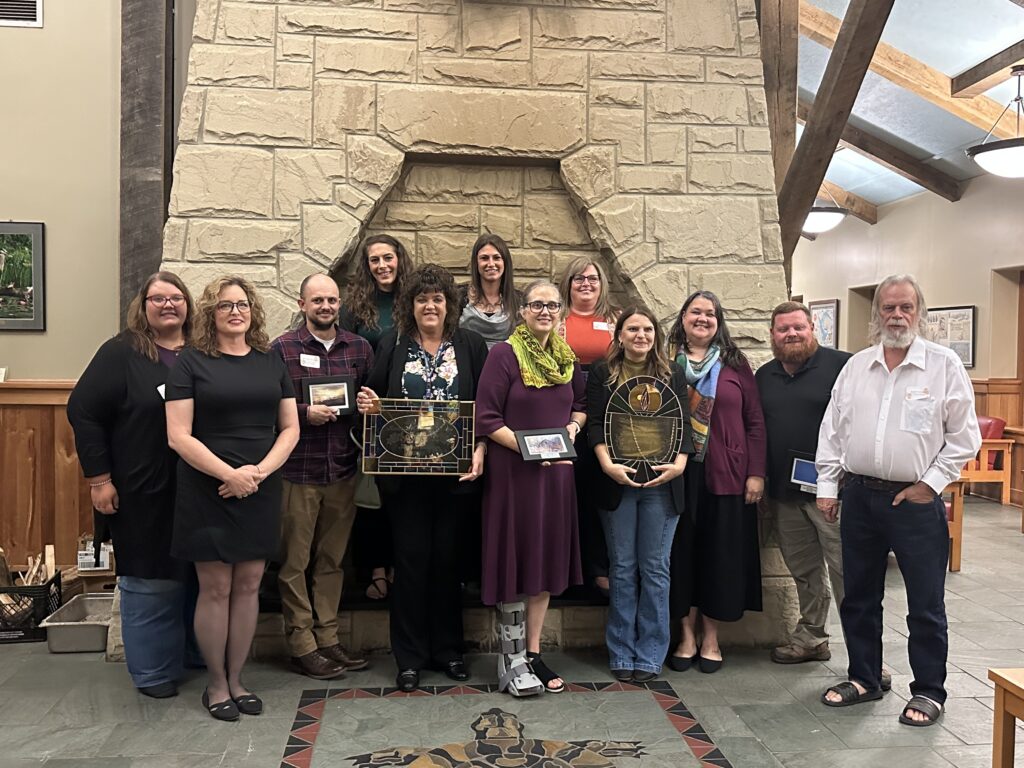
column 298, row 752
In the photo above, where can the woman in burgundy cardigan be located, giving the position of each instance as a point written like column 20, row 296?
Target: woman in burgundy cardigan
column 716, row 564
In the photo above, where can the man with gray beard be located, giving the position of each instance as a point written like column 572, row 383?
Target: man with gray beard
column 898, row 430
column 795, row 389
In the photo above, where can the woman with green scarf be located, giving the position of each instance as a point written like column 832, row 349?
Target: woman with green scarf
column 530, row 538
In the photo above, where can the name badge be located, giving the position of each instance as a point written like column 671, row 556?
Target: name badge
column 161, row 389
column 600, row 325
column 309, row 361
column 917, row 393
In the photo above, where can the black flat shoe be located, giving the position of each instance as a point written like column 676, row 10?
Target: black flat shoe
column 623, row 675
column 642, row 676
column 408, row 680
column 680, row 663
column 159, row 691
column 708, row 666
column 456, row 670
column 249, row 704
column 222, row 710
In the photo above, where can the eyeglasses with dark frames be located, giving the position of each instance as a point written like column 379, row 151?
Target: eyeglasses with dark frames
column 581, row 279
column 226, row 307
column 158, row 301
column 539, row 306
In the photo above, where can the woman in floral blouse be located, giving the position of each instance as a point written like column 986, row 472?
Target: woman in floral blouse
column 426, row 357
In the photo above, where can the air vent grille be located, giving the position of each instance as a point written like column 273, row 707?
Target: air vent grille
column 21, row 13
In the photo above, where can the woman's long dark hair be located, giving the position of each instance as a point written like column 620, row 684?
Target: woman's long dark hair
column 656, row 364
column 361, row 297
column 730, row 353
column 506, row 288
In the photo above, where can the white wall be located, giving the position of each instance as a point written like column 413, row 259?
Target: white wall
column 953, row 249
column 59, row 150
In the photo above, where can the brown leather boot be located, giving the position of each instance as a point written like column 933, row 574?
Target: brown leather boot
column 314, row 664
column 339, row 654
column 796, row 654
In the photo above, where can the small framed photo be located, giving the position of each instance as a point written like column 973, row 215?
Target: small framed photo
column 3, row 375
column 22, row 283
column 545, row 444
column 825, row 316
column 336, row 392
column 954, row 327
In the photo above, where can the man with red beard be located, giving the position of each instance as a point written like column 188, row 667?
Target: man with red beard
column 795, row 389
column 898, row 430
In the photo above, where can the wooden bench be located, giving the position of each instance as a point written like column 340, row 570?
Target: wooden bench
column 1009, row 707
column 955, row 518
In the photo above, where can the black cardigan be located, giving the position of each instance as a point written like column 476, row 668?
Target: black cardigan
column 609, row 493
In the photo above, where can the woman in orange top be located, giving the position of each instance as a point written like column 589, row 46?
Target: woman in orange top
column 588, row 328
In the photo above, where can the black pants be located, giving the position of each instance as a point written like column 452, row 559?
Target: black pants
column 426, row 601
column 919, row 536
column 593, row 548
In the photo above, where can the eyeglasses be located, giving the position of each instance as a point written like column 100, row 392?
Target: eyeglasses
column 225, row 307
column 581, row 279
column 539, row 306
column 158, row 301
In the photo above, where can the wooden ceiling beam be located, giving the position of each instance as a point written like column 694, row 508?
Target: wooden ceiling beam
column 913, row 75
column 896, row 160
column 989, row 73
column 864, row 210
column 852, row 51
column 780, row 37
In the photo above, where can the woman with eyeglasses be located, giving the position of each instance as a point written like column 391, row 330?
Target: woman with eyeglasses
column 117, row 412
column 530, row 542
column 589, row 321
column 232, row 418
column 368, row 311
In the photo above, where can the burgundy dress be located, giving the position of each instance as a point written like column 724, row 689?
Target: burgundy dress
column 530, row 534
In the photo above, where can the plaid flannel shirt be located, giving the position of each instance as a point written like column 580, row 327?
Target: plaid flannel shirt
column 325, row 453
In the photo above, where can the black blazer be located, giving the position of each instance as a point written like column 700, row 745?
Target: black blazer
column 609, row 493
column 389, row 363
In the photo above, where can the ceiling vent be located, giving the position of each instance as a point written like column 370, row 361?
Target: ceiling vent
column 21, row 13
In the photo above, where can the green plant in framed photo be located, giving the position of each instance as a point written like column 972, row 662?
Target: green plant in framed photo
column 21, row 276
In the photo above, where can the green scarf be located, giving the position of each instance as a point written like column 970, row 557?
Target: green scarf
column 542, row 367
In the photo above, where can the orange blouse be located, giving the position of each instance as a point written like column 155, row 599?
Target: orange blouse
column 588, row 335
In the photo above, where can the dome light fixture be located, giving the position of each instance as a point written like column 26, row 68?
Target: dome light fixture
column 824, row 218
column 1006, row 157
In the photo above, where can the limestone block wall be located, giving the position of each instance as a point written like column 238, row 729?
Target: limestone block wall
column 307, row 123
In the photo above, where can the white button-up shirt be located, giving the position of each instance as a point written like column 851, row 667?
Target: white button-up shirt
column 914, row 423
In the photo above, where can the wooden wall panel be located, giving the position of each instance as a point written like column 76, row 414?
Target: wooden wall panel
column 43, row 497
column 1000, row 398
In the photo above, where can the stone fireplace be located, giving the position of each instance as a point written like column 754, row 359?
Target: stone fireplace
column 631, row 129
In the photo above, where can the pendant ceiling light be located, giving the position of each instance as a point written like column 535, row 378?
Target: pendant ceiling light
column 1006, row 157
column 824, row 218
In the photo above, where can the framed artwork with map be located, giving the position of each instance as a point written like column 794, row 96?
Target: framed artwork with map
column 825, row 315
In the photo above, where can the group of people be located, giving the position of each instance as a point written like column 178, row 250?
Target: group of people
column 198, row 449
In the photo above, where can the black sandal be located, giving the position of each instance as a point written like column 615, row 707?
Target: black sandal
column 249, row 704
column 849, row 695
column 930, row 709
column 222, row 710
column 544, row 673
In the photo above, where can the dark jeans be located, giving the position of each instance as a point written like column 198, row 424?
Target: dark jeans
column 426, row 599
column 919, row 536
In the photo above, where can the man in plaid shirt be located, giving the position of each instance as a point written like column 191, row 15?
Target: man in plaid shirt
column 319, row 483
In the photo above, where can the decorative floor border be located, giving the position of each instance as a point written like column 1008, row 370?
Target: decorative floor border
column 298, row 753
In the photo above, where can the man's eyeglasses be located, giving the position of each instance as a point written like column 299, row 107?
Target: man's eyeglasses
column 159, row 301
column 581, row 279
column 225, row 307
column 539, row 306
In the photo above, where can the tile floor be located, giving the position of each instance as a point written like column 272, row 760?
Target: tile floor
column 77, row 710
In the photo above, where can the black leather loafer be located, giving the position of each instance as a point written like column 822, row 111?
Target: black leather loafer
column 408, row 680
column 456, row 670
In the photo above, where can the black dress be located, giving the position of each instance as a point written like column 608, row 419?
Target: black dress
column 117, row 413
column 236, row 399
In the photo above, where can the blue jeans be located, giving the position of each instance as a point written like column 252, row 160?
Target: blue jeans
column 639, row 535
column 918, row 534
column 153, row 629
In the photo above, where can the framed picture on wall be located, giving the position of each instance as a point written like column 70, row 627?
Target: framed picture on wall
column 954, row 327
column 825, row 315
column 22, row 294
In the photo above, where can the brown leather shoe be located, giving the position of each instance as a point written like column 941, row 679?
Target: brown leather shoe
column 349, row 661
column 797, row 654
column 314, row 664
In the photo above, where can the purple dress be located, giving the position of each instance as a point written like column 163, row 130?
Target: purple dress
column 530, row 533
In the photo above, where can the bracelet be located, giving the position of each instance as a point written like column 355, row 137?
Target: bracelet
column 579, row 426
column 101, row 482
column 259, row 471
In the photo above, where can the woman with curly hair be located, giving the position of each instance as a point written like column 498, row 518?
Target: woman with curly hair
column 426, row 357
column 367, row 311
column 117, row 412
column 232, row 418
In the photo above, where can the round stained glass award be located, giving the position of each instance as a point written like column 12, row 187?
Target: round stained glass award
column 643, row 426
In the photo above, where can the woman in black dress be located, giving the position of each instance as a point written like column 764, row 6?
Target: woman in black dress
column 427, row 357
column 231, row 417
column 117, row 412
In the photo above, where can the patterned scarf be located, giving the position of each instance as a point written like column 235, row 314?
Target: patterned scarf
column 703, row 380
column 542, row 367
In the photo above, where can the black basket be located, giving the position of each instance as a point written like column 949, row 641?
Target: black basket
column 20, row 620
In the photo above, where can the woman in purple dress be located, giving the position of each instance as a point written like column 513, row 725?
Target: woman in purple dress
column 530, row 537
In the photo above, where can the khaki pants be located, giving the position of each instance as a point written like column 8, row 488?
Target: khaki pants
column 809, row 543
column 316, row 521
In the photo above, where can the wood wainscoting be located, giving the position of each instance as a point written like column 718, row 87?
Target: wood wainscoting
column 43, row 497
column 1000, row 398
